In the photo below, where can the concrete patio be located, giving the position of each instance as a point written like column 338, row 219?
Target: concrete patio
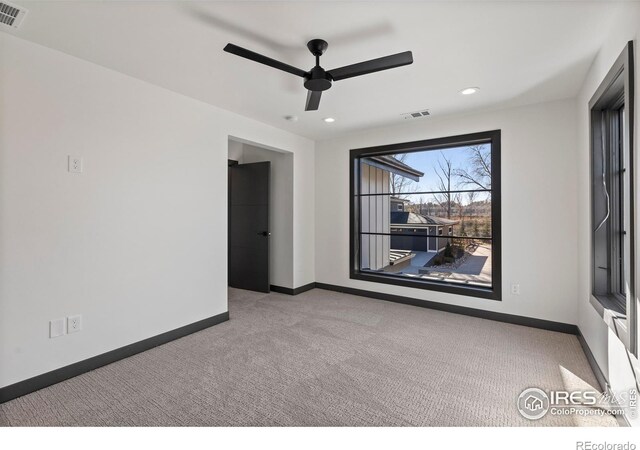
column 476, row 269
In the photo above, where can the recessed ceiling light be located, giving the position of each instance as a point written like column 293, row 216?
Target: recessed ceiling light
column 469, row 90
column 291, row 118
column 329, row 119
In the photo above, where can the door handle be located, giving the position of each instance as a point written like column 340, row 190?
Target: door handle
column 264, row 233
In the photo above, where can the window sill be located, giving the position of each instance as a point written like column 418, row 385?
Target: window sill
column 613, row 315
column 466, row 290
column 605, row 303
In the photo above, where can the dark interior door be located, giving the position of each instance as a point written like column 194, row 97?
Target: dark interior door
column 249, row 226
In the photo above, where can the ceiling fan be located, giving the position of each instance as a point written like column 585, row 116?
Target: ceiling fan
column 317, row 79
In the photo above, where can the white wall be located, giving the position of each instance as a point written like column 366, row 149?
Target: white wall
column 538, row 203
column 607, row 349
column 304, row 215
column 137, row 243
column 281, row 224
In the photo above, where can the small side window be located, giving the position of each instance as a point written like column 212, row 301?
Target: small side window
column 612, row 195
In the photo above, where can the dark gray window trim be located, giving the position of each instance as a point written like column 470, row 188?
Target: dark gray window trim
column 620, row 77
column 493, row 137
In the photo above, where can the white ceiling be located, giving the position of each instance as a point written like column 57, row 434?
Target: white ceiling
column 516, row 52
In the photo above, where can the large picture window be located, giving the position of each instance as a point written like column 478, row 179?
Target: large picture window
column 427, row 214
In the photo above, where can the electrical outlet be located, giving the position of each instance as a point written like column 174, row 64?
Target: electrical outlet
column 75, row 164
column 74, row 324
column 515, row 289
column 56, row 327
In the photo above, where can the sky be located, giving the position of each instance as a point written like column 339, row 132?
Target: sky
column 427, row 162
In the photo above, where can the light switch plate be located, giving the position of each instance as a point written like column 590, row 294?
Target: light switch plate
column 56, row 328
column 515, row 289
column 74, row 324
column 75, row 164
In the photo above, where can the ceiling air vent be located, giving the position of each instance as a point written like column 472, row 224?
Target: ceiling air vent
column 11, row 15
column 416, row 114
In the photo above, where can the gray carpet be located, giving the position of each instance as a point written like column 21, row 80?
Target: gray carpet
column 322, row 358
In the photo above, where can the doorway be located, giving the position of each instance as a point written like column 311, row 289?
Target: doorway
column 260, row 212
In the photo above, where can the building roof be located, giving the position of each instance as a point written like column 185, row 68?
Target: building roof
column 399, row 218
column 391, row 164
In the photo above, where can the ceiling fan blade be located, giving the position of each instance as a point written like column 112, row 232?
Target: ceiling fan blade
column 313, row 100
column 373, row 65
column 253, row 56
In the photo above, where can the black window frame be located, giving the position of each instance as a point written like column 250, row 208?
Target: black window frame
column 492, row 137
column 614, row 95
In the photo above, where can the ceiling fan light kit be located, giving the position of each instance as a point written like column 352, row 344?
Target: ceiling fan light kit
column 317, row 79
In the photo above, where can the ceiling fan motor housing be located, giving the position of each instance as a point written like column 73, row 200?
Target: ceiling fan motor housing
column 317, row 80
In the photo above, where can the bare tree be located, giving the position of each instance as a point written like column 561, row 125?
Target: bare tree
column 479, row 174
column 457, row 200
column 471, row 198
column 445, row 174
column 401, row 186
column 421, row 205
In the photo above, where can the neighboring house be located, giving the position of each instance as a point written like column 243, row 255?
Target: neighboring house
column 376, row 209
column 417, row 225
column 398, row 204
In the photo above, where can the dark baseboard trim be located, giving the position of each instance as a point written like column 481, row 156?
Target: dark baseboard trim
column 290, row 291
column 597, row 371
column 281, row 290
column 55, row 376
column 602, row 380
column 481, row 313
